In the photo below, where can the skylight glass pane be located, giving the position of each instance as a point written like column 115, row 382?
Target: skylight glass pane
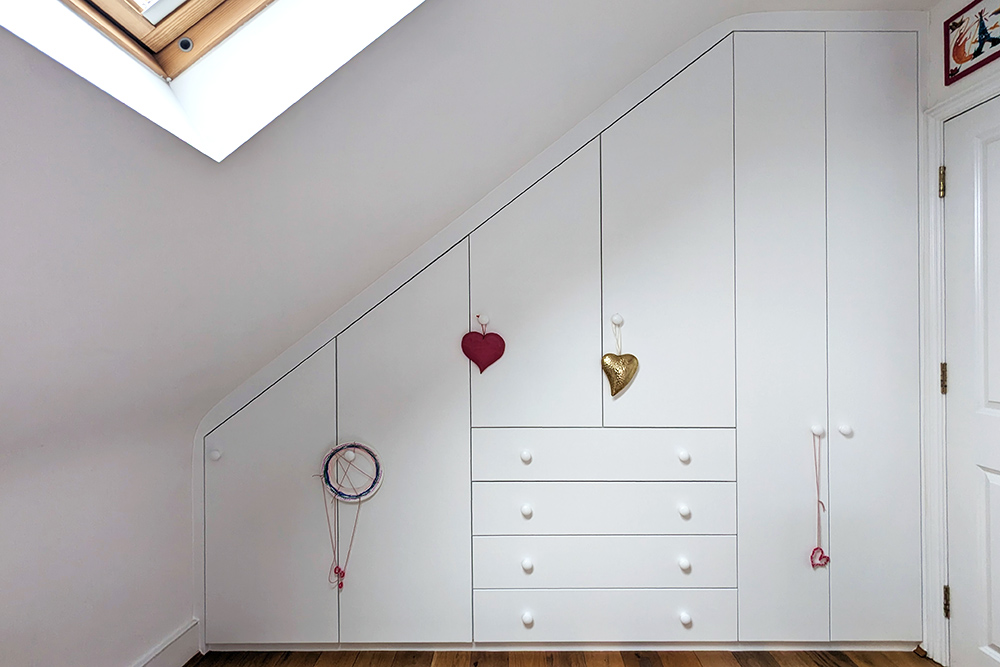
column 155, row 11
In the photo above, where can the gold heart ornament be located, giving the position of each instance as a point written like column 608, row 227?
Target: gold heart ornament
column 620, row 369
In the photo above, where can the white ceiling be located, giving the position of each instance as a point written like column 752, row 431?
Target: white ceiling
column 142, row 282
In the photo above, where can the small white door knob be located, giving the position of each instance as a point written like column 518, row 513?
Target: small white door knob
column 684, row 511
column 483, row 319
column 349, row 455
column 215, row 455
column 685, row 618
column 526, row 456
column 818, row 431
column 684, row 564
column 526, row 511
column 846, row 430
column 684, row 456
column 527, row 619
column 617, row 320
column 527, row 565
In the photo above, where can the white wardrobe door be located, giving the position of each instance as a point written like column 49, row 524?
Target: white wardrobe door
column 781, row 332
column 536, row 272
column 267, row 549
column 668, row 249
column 404, row 390
column 874, row 473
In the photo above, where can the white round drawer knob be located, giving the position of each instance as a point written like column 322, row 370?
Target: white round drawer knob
column 527, row 565
column 684, row 456
column 483, row 319
column 526, row 511
column 215, row 455
column 818, row 431
column 684, row 564
column 526, row 456
column 349, row 455
column 527, row 619
column 685, row 618
column 846, row 430
column 684, row 511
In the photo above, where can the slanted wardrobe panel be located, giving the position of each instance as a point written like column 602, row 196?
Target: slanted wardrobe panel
column 875, row 583
column 404, row 390
column 536, row 272
column 267, row 552
column 781, row 332
column 667, row 198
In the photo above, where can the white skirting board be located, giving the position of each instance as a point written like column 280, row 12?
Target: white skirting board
column 175, row 650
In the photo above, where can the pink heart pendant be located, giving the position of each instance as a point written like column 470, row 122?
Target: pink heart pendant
column 482, row 349
column 818, row 558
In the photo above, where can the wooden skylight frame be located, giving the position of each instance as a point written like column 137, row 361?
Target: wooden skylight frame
column 198, row 24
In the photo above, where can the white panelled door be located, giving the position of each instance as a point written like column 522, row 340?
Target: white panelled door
column 972, row 228
column 667, row 179
column 404, row 390
column 536, row 272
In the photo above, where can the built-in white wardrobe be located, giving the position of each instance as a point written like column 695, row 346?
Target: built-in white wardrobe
column 754, row 222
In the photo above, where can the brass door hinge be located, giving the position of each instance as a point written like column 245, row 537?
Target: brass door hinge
column 941, row 177
column 947, row 601
column 944, row 378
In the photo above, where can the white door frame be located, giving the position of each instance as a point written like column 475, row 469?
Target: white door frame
column 932, row 352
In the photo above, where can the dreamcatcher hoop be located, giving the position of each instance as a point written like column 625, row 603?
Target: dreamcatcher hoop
column 352, row 472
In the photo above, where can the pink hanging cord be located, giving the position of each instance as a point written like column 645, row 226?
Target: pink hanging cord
column 818, row 558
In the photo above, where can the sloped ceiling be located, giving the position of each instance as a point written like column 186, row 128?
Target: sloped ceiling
column 140, row 281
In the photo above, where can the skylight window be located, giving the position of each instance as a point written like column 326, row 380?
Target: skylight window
column 155, row 11
column 167, row 35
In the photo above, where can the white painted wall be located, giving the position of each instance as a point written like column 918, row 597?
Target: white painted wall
column 95, row 564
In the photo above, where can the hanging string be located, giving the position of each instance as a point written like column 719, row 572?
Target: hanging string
column 818, row 558
column 616, row 328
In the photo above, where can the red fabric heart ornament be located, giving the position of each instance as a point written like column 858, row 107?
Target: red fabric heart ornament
column 818, row 558
column 483, row 349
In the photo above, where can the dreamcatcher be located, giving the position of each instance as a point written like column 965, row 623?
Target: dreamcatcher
column 351, row 473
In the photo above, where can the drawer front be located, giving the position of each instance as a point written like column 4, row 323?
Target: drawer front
column 603, row 508
column 609, row 615
column 603, row 454
column 605, row 561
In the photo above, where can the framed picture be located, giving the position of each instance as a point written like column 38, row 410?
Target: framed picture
column 971, row 39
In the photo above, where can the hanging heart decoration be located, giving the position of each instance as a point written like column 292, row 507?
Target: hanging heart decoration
column 619, row 368
column 483, row 349
column 818, row 558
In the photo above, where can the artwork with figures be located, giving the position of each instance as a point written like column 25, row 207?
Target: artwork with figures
column 971, row 39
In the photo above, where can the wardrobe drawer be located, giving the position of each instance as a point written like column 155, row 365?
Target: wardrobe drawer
column 605, row 561
column 603, row 454
column 609, row 615
column 609, row 508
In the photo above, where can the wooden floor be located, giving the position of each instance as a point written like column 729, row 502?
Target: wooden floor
column 561, row 659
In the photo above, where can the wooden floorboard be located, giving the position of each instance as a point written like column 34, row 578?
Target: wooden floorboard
column 560, row 659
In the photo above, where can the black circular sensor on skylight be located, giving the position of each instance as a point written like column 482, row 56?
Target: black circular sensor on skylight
column 185, row 44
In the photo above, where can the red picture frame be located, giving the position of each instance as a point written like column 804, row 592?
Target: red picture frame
column 976, row 25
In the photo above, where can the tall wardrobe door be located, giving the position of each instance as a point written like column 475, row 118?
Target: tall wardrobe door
column 781, row 332
column 874, row 400
column 267, row 549
column 404, row 390
column 667, row 171
column 536, row 272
